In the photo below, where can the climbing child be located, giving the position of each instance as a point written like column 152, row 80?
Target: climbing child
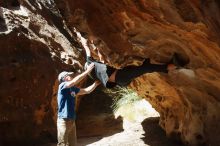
column 109, row 76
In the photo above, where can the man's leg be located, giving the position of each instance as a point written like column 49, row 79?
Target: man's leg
column 62, row 133
column 72, row 138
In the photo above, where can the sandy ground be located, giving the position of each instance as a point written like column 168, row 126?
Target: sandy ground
column 147, row 133
column 139, row 130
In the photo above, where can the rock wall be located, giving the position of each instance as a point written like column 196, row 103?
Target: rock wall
column 37, row 41
column 35, row 46
column 126, row 32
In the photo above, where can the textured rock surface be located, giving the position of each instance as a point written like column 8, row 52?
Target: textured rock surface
column 36, row 45
column 128, row 31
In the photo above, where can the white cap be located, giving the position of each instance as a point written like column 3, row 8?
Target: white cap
column 63, row 74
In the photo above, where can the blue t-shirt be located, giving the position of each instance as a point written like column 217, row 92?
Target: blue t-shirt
column 66, row 101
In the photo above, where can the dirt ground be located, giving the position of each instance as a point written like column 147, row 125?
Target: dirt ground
column 147, row 133
column 141, row 130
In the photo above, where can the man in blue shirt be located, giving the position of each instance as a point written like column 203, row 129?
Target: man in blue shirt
column 66, row 129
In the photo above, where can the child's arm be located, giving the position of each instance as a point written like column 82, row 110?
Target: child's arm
column 83, row 42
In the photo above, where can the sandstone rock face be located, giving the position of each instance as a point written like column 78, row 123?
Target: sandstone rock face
column 35, row 47
column 37, row 42
column 126, row 32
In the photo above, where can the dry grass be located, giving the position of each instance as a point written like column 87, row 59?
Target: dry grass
column 130, row 106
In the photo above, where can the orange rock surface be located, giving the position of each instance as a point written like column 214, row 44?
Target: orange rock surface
column 37, row 42
column 127, row 32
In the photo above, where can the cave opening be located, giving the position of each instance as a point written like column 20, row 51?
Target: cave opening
column 106, row 116
column 95, row 117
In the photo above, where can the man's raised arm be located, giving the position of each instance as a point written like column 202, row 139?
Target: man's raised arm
column 89, row 89
column 79, row 77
